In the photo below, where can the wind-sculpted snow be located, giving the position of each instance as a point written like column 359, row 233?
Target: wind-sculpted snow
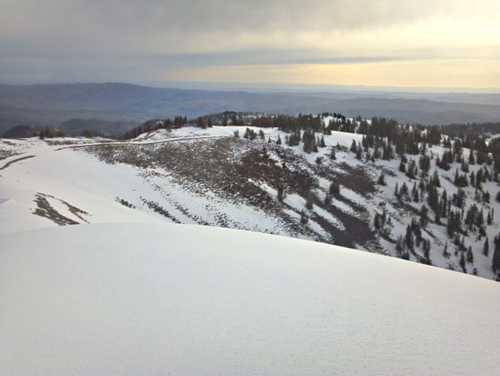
column 133, row 299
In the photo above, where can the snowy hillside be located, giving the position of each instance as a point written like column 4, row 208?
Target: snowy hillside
column 130, row 299
column 341, row 190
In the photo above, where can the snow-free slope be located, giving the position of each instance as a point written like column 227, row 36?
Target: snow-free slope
column 161, row 299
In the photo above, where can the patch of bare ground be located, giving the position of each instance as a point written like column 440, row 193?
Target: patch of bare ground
column 356, row 179
column 237, row 169
column 44, row 209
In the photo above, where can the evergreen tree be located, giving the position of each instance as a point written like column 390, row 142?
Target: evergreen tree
column 472, row 160
column 333, row 156
column 446, row 254
column 322, row 142
column 470, row 255
column 414, row 193
column 402, row 167
column 359, row 153
column 354, row 147
column 328, row 199
column 486, row 247
column 409, row 238
column 310, row 201
column 334, row 189
column 281, row 192
column 403, row 192
column 462, row 262
column 426, row 247
column 381, row 179
column 496, row 255
column 412, row 170
column 424, row 216
column 490, row 218
column 303, row 218
column 400, row 247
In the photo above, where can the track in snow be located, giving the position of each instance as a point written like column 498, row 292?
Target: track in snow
column 15, row 161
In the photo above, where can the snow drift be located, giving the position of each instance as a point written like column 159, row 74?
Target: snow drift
column 129, row 299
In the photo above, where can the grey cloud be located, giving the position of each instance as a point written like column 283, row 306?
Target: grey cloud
column 125, row 24
column 86, row 39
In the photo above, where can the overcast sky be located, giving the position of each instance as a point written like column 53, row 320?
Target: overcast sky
column 425, row 43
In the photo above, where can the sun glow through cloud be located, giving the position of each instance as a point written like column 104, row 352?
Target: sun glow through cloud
column 439, row 43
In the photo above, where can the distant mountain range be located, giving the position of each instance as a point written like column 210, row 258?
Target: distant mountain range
column 104, row 106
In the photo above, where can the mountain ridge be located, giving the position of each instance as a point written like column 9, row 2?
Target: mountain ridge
column 52, row 104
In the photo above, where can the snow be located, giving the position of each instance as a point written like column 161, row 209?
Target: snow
column 492, row 137
column 60, row 169
column 129, row 299
column 83, row 181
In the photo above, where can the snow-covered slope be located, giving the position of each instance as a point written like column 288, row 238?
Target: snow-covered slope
column 159, row 299
column 207, row 176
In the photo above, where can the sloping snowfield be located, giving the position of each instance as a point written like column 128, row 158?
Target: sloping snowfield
column 207, row 176
column 163, row 299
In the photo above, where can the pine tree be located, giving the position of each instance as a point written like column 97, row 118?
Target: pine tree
column 322, row 142
column 472, row 160
column 409, row 239
column 462, row 262
column 354, row 147
column 414, row 193
column 403, row 192
column 486, row 247
column 496, row 255
column 310, row 201
column 400, row 247
column 381, row 179
column 334, row 189
column 303, row 218
column 426, row 246
column 333, row 156
column 402, row 167
column 470, row 255
column 328, row 199
column 486, row 197
column 424, row 216
column 435, row 179
column 433, row 199
column 490, row 217
column 411, row 172
column 359, row 153
column 446, row 254
column 281, row 192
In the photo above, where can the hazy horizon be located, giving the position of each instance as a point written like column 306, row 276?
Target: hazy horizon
column 261, row 87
